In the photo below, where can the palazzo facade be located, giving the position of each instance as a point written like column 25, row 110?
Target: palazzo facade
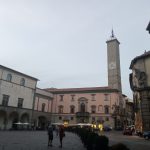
column 85, row 105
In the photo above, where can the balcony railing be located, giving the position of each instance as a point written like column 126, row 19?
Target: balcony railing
column 82, row 114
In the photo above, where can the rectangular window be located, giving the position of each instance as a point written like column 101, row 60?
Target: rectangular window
column 72, row 97
column 60, row 118
column 43, row 107
column 93, row 109
column 106, row 110
column 72, row 109
column 106, row 97
column 20, row 102
column 9, row 77
column 93, row 97
column 71, row 118
column 61, row 97
column 5, row 100
column 60, row 109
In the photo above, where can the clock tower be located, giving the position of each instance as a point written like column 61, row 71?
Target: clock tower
column 113, row 60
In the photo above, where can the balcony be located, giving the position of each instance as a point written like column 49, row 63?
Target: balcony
column 82, row 114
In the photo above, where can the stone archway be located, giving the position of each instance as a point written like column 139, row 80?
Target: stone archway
column 3, row 119
column 24, row 118
column 13, row 118
column 42, row 122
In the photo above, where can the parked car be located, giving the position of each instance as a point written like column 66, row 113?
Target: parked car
column 127, row 131
column 146, row 135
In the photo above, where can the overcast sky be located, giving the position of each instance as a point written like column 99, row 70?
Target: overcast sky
column 63, row 42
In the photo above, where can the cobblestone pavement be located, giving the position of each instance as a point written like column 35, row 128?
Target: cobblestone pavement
column 37, row 140
column 133, row 142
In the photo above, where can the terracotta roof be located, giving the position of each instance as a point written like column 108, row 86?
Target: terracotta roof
column 85, row 89
column 146, row 54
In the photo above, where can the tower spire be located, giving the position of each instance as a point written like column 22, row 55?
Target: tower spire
column 112, row 33
column 112, row 37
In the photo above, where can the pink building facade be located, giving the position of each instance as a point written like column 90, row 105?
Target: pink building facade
column 84, row 105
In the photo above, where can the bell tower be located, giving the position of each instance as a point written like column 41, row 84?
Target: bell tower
column 113, row 62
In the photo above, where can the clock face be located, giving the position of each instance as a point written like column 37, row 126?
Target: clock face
column 112, row 65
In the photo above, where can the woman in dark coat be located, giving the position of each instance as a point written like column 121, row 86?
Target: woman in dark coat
column 61, row 134
column 50, row 135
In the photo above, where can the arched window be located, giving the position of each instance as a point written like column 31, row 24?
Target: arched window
column 9, row 77
column 93, row 109
column 72, row 109
column 22, row 82
column 43, row 107
column 106, row 109
column 82, row 107
column 60, row 109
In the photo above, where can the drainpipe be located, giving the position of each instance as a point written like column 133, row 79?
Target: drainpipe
column 33, row 104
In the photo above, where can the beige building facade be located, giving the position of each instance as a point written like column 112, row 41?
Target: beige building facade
column 21, row 103
column 140, row 85
column 16, row 97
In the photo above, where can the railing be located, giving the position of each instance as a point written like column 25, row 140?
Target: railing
column 82, row 114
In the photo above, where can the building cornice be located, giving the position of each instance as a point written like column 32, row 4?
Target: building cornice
column 82, row 90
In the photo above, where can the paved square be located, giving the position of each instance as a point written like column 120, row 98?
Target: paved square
column 37, row 140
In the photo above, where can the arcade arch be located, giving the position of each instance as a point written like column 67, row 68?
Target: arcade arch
column 3, row 119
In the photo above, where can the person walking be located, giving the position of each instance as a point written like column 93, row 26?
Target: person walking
column 50, row 135
column 61, row 134
column 57, row 130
